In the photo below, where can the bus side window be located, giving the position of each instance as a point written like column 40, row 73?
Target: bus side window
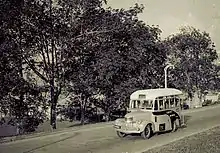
column 156, row 105
column 134, row 104
column 177, row 102
column 161, row 104
column 138, row 103
column 172, row 104
column 166, row 104
column 145, row 104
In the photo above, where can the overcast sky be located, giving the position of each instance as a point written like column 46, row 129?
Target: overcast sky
column 171, row 14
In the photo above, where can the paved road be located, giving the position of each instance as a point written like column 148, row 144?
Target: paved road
column 104, row 139
column 205, row 142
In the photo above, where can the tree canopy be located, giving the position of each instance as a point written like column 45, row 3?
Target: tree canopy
column 193, row 54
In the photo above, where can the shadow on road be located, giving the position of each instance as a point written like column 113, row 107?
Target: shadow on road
column 77, row 124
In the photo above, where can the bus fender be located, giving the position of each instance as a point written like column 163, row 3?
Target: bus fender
column 145, row 123
column 175, row 118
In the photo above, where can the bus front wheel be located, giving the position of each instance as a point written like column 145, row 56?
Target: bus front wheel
column 121, row 134
column 146, row 134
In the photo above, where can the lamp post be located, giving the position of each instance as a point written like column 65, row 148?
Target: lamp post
column 165, row 72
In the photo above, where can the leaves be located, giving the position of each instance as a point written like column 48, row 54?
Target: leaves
column 193, row 53
column 116, row 62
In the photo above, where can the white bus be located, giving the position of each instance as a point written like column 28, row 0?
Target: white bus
column 151, row 111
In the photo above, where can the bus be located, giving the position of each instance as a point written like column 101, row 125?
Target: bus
column 151, row 111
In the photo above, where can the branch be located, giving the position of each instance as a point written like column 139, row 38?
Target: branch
column 47, row 51
column 43, row 55
column 35, row 70
column 92, row 32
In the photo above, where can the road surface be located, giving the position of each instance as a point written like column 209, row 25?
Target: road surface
column 104, row 140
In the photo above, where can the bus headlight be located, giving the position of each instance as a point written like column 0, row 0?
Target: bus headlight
column 139, row 122
column 117, row 121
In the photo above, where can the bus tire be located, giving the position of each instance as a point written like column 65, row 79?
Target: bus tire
column 121, row 134
column 174, row 126
column 146, row 134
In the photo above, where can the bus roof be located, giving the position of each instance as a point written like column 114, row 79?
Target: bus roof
column 154, row 93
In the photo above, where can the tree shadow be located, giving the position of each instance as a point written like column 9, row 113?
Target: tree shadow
column 79, row 124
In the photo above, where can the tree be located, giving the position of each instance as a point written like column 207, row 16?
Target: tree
column 10, row 64
column 17, row 93
column 125, row 50
column 129, row 59
column 46, row 28
column 80, row 50
column 192, row 52
column 31, row 29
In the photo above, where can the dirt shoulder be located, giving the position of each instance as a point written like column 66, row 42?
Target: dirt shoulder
column 208, row 141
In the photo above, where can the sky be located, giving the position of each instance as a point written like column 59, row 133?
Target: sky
column 170, row 15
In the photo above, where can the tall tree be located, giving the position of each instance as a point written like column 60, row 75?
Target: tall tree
column 124, row 50
column 14, row 86
column 192, row 52
column 47, row 27
column 81, row 45
column 133, row 55
column 42, row 48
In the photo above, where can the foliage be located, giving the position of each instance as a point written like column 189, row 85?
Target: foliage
column 17, row 93
column 124, row 50
column 192, row 52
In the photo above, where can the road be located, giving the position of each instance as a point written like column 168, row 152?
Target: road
column 104, row 140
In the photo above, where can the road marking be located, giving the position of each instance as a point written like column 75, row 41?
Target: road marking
column 165, row 143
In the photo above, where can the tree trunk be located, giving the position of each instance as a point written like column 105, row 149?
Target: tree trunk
column 21, row 108
column 82, row 109
column 107, row 115
column 75, row 114
column 53, row 116
column 21, row 97
column 53, row 107
column 200, row 96
column 82, row 119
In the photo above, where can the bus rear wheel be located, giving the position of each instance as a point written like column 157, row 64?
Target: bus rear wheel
column 146, row 134
column 121, row 134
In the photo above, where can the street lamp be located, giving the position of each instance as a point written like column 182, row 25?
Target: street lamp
column 165, row 72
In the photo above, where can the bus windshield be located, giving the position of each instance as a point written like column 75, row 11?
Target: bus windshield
column 145, row 104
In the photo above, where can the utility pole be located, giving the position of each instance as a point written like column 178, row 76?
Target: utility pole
column 165, row 72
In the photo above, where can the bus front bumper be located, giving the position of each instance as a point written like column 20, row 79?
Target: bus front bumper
column 127, row 129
